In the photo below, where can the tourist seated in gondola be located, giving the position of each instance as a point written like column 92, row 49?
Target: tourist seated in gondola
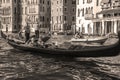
column 78, row 35
column 20, row 34
column 41, row 43
column 32, row 42
column 53, row 45
column 27, row 32
column 37, row 31
column 9, row 37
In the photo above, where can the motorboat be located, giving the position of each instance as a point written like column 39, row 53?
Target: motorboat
column 89, row 40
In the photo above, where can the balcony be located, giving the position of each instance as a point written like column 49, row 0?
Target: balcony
column 116, row 4
column 106, row 6
column 89, row 16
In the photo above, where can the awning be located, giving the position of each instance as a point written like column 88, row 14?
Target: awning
column 109, row 11
column 105, row 1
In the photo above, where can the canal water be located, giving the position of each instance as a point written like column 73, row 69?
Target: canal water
column 20, row 65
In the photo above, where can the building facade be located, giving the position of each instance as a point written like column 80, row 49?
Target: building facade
column 45, row 15
column 35, row 13
column 8, row 15
column 63, row 15
column 109, row 17
column 86, row 11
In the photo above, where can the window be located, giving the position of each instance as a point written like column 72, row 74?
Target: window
column 43, row 18
column 73, row 2
column 65, row 1
column 91, row 10
column 8, row 1
column 43, row 9
column 83, row 12
column 79, row 21
column 15, row 27
column 52, row 19
column 89, row 1
column 14, row 1
column 73, row 18
column 1, row 1
column 32, row 10
column 77, row 2
column 57, row 19
column 65, row 18
column 78, row 12
column 89, row 29
column 47, row 19
column 60, row 18
column 21, row 10
column 40, row 1
column 60, row 1
column 48, row 2
column 97, row 3
column 87, row 10
column 15, row 10
column 83, row 1
column 73, row 10
column 60, row 9
column 65, row 9
column 25, row 10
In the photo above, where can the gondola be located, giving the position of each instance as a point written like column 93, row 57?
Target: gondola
column 94, row 51
column 80, row 51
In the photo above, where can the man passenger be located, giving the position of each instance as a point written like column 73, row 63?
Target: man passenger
column 27, row 32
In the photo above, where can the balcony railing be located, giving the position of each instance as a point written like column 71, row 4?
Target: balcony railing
column 116, row 4
column 106, row 6
column 89, row 16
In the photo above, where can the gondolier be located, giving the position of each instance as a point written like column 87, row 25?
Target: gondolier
column 27, row 32
column 37, row 31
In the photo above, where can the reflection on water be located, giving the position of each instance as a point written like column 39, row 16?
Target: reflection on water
column 19, row 65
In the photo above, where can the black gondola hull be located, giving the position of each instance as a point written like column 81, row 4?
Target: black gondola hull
column 92, row 51
column 112, row 50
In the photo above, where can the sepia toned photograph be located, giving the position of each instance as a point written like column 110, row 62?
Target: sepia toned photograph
column 59, row 39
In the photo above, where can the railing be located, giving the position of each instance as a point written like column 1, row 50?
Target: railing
column 111, row 18
column 106, row 6
column 89, row 16
column 116, row 4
